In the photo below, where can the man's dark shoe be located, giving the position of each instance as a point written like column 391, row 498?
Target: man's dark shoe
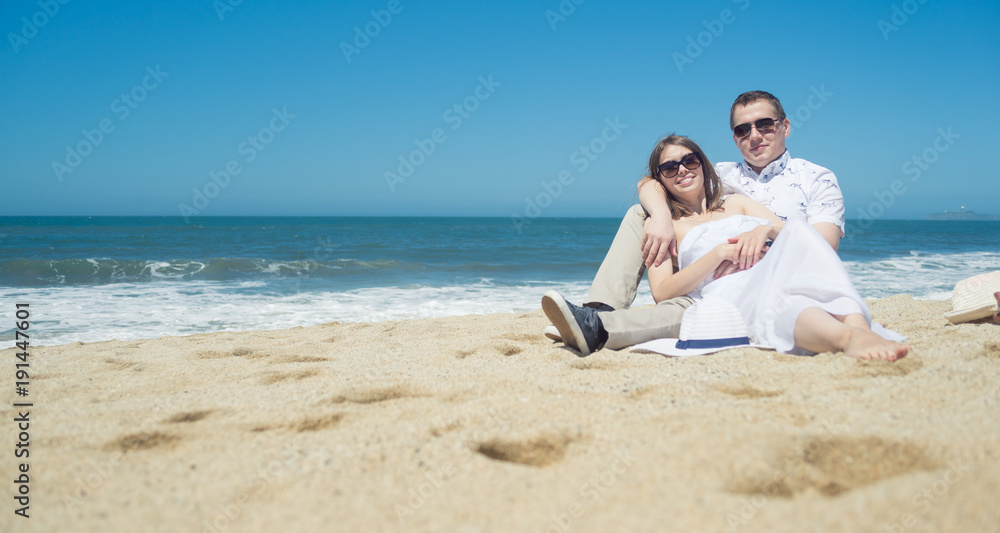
column 579, row 327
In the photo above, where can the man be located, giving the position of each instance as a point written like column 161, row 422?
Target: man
column 791, row 188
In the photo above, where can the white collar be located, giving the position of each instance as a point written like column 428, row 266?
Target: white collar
column 770, row 171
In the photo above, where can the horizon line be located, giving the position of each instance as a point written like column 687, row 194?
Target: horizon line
column 406, row 216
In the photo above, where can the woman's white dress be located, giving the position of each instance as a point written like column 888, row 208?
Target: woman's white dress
column 800, row 270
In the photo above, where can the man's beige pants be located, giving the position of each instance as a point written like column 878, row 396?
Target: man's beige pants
column 616, row 284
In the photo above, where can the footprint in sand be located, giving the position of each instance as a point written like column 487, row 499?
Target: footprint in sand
column 835, row 465
column 312, row 423
column 248, row 353
column 876, row 369
column 299, row 359
column 507, row 349
column 142, row 441
column 502, row 346
column 746, row 392
column 271, row 378
column 316, row 423
column 525, row 337
column 539, row 451
column 591, row 363
column 191, row 416
column 242, row 351
column 376, row 395
column 119, row 364
column 991, row 350
column 667, row 390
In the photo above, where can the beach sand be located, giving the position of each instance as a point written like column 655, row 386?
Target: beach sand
column 478, row 423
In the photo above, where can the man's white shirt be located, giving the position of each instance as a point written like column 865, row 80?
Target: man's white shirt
column 790, row 188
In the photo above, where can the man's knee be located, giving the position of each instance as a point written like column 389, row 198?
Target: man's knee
column 634, row 219
column 680, row 302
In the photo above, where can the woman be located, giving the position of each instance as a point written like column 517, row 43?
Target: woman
column 796, row 297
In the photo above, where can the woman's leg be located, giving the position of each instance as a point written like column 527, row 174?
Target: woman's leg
column 819, row 331
column 857, row 320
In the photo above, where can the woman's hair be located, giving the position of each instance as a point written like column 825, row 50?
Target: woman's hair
column 713, row 184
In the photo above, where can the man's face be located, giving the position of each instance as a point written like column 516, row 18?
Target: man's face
column 760, row 149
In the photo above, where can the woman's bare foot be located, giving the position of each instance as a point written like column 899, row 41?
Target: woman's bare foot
column 864, row 344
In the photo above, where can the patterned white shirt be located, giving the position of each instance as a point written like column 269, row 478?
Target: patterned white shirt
column 790, row 188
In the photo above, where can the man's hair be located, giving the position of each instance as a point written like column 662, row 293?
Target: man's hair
column 713, row 184
column 750, row 97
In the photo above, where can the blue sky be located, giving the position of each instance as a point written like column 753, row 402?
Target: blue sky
column 120, row 108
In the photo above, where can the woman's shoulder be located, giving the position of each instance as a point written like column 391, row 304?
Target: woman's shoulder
column 735, row 201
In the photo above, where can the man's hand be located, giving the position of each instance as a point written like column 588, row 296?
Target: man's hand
column 658, row 240
column 750, row 246
column 658, row 237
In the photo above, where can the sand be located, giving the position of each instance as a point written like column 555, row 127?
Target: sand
column 479, row 423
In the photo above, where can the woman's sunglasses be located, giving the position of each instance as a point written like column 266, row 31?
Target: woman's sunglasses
column 690, row 162
column 764, row 125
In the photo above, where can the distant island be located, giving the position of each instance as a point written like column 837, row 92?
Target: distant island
column 961, row 214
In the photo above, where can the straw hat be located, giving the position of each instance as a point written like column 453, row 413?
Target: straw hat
column 708, row 326
column 973, row 298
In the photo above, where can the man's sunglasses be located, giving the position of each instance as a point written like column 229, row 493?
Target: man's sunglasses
column 764, row 125
column 690, row 162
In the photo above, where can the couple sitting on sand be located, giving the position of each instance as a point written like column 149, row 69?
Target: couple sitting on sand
column 761, row 235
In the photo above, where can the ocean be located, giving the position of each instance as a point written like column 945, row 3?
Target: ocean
column 101, row 278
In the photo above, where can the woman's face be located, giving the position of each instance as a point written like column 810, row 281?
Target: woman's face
column 686, row 181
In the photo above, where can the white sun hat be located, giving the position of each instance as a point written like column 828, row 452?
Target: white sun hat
column 710, row 325
column 973, row 298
